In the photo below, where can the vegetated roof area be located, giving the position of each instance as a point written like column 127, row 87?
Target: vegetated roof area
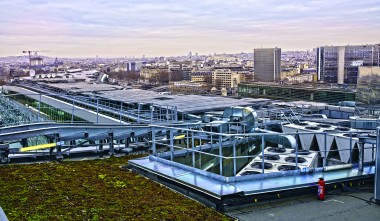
column 92, row 190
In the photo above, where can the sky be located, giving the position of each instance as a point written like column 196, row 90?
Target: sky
column 118, row 28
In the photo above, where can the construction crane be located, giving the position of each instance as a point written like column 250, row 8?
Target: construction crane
column 30, row 55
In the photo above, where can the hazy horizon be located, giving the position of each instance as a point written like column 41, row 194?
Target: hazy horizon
column 85, row 28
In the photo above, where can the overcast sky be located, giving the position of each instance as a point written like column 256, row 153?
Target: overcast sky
column 115, row 28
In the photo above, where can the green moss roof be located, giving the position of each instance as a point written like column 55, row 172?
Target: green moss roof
column 91, row 190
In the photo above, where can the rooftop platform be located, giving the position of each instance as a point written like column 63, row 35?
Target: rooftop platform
column 223, row 195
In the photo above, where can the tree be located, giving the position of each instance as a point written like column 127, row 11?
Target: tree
column 176, row 75
column 208, row 79
column 132, row 75
column 162, row 77
column 218, row 83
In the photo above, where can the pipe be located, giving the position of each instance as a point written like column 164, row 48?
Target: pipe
column 287, row 141
column 337, row 167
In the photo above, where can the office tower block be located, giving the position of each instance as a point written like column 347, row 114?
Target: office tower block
column 267, row 64
column 340, row 64
column 131, row 66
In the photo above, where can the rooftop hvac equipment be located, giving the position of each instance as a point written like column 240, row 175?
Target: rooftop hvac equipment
column 306, row 158
column 287, row 167
column 323, row 141
column 335, row 143
column 276, row 149
column 324, row 125
column 305, row 126
column 351, row 135
column 249, row 172
column 270, row 157
column 307, row 139
column 259, row 165
column 277, row 159
column 303, row 123
column 312, row 128
column 293, row 160
column 301, row 152
column 256, row 165
column 293, row 128
column 347, row 146
column 342, row 129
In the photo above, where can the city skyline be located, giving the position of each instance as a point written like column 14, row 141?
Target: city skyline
column 168, row 28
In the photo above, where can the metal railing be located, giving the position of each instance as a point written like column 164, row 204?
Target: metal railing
column 221, row 149
column 36, row 110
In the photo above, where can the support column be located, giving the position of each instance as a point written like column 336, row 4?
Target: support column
column 127, row 142
column 171, row 145
column 325, row 151
column 138, row 113
column 234, row 154
column 121, row 111
column 101, row 151
column 175, row 114
column 112, row 150
column 262, row 153
column 97, row 110
column 72, row 111
column 59, row 156
column 220, row 153
column 351, row 147
column 151, row 113
column 51, row 149
column 24, row 142
column 361, row 153
column 154, row 150
column 172, row 114
column 377, row 169
column 39, row 108
column 192, row 148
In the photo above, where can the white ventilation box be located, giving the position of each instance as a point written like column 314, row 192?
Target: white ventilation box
column 278, row 159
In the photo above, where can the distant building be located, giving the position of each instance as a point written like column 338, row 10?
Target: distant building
column 202, row 77
column 368, row 86
column 319, row 93
column 267, row 64
column 291, row 75
column 180, row 71
column 186, row 87
column 151, row 72
column 225, row 78
column 131, row 66
column 36, row 61
column 339, row 64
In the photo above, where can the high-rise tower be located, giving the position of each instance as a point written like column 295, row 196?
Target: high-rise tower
column 340, row 64
column 267, row 64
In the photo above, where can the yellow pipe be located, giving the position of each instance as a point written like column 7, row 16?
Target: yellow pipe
column 179, row 137
column 38, row 147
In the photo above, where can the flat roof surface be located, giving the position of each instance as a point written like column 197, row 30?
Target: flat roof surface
column 336, row 206
column 184, row 103
column 81, row 87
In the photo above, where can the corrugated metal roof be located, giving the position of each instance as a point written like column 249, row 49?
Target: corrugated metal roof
column 184, row 103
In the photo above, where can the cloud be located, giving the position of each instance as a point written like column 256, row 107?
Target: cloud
column 170, row 27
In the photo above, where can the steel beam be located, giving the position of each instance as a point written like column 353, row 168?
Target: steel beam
column 377, row 169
